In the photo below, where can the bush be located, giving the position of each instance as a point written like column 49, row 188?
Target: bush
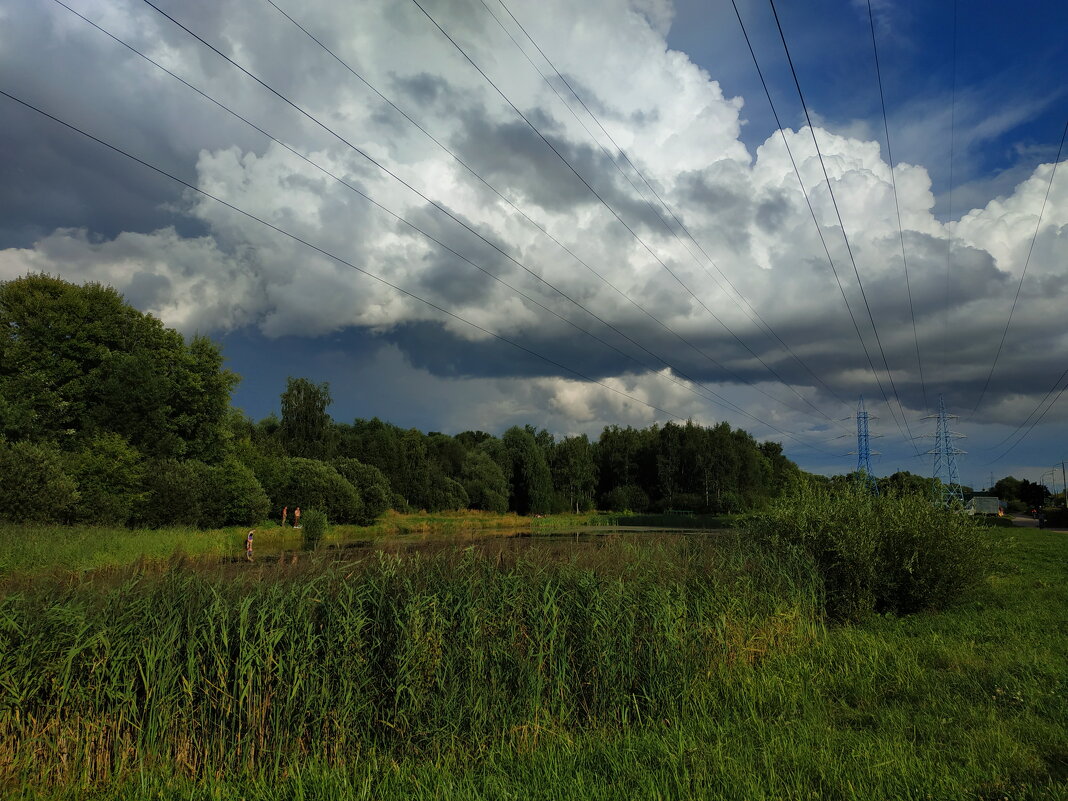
column 172, row 493
column 312, row 484
column 370, row 482
column 445, row 493
column 34, row 484
column 629, row 498
column 109, row 475
column 232, row 496
column 313, row 527
column 889, row 553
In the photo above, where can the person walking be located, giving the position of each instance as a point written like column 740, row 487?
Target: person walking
column 285, row 514
column 296, row 517
column 248, row 546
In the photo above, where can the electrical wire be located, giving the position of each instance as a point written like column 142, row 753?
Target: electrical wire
column 1037, row 420
column 748, row 309
column 608, row 206
column 406, row 184
column 811, row 210
column 1023, row 273
column 949, row 214
column 339, row 259
column 845, row 237
column 534, row 223
column 711, row 395
column 897, row 204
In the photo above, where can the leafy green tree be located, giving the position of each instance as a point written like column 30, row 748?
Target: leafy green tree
column 34, row 485
column 311, row 484
column 628, row 498
column 530, row 482
column 172, row 492
column 76, row 361
column 575, row 472
column 447, row 453
column 109, row 475
column 414, row 479
column 443, row 492
column 1032, row 496
column 484, row 482
column 232, row 496
column 370, row 482
column 306, row 429
column 375, row 443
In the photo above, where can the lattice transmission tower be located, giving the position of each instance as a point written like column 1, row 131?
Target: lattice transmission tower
column 945, row 454
column 864, row 451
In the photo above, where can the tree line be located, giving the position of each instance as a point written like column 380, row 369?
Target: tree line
column 108, row 417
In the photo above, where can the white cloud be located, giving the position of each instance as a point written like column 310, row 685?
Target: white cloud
column 675, row 123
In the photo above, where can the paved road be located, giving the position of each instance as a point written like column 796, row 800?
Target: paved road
column 1025, row 521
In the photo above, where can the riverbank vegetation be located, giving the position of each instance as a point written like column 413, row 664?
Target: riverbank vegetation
column 109, row 418
column 706, row 665
column 822, row 642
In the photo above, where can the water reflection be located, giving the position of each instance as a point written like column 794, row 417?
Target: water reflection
column 490, row 543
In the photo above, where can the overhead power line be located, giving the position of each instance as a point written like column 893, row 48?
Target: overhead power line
column 711, row 395
column 748, row 308
column 949, row 214
column 815, row 220
column 1023, row 273
column 845, row 237
column 1027, row 419
column 406, row 184
column 608, row 206
column 897, row 203
column 530, row 220
column 339, row 259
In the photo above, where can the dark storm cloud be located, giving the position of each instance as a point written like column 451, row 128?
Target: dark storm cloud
column 431, row 347
column 743, row 207
column 54, row 177
column 424, row 89
column 512, row 157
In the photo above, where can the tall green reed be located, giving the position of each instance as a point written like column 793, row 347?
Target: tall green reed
column 254, row 671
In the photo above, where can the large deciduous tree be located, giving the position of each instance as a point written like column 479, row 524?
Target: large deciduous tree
column 77, row 361
column 306, row 430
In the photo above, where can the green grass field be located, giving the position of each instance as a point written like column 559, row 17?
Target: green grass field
column 629, row 670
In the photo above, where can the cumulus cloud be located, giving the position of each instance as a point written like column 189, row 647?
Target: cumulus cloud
column 202, row 267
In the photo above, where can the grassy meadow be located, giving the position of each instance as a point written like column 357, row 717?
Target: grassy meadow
column 637, row 667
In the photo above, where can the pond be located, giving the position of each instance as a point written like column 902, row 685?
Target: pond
column 556, row 544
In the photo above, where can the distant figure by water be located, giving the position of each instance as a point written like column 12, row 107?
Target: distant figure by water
column 248, row 546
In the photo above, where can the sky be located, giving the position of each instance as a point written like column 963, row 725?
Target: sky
column 469, row 214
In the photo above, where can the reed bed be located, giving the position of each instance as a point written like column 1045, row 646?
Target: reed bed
column 256, row 672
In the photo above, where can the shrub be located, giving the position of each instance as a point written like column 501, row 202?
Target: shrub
column 445, row 493
column 628, row 498
column 109, row 472
column 312, row 484
column 313, row 527
column 889, row 553
column 34, row 484
column 172, row 493
column 232, row 496
column 370, row 482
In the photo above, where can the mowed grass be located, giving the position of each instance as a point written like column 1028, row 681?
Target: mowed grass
column 628, row 672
